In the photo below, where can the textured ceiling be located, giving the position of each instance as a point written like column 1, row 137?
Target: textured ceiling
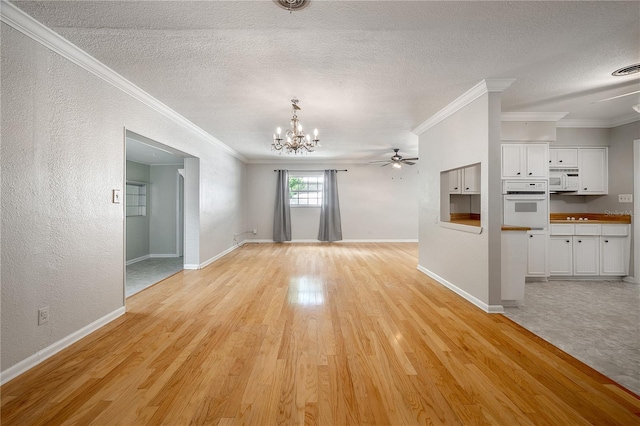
column 366, row 73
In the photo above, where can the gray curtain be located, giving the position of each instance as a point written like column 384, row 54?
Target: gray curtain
column 330, row 223
column 282, row 212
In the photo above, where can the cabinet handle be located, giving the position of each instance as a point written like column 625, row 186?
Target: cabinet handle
column 530, row 173
column 518, row 173
column 568, row 241
column 579, row 241
column 585, row 189
column 530, row 236
column 559, row 161
column 467, row 189
column 606, row 241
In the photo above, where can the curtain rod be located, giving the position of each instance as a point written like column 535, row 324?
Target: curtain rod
column 291, row 170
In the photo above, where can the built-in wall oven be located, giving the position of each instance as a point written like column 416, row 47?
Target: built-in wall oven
column 525, row 203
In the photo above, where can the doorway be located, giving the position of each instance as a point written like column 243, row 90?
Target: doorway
column 160, row 182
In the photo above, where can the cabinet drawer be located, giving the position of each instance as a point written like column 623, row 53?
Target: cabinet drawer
column 561, row 229
column 622, row 230
column 587, row 229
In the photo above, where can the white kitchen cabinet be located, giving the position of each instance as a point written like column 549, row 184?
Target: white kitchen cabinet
column 593, row 171
column 614, row 250
column 563, row 158
column 560, row 255
column 536, row 254
column 455, row 181
column 586, row 255
column 525, row 161
column 613, row 260
column 471, row 180
column 589, row 249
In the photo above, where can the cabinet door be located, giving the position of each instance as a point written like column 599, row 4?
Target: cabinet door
column 537, row 255
column 586, row 256
column 455, row 184
column 613, row 259
column 536, row 156
column 593, row 175
column 566, row 158
column 560, row 255
column 471, row 180
column 512, row 157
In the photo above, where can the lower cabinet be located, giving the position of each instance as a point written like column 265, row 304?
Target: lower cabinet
column 614, row 259
column 586, row 255
column 589, row 250
column 561, row 255
column 536, row 254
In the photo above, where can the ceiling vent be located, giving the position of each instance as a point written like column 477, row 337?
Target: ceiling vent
column 292, row 5
column 631, row 69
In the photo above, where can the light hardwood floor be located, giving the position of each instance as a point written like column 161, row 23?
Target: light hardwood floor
column 329, row 334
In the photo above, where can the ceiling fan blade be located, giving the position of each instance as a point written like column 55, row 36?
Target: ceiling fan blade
column 616, row 97
column 408, row 162
column 385, row 164
column 411, row 159
column 380, row 161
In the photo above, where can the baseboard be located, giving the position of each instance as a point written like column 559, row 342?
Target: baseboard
column 192, row 266
column 224, row 253
column 629, row 279
column 491, row 309
column 586, row 278
column 163, row 255
column 138, row 259
column 35, row 359
column 306, row 241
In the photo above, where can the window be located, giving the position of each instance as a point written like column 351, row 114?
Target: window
column 136, row 199
column 305, row 191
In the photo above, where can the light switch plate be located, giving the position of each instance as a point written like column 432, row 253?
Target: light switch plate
column 116, row 196
column 625, row 198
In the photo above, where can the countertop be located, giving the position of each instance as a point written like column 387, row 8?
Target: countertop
column 471, row 219
column 597, row 218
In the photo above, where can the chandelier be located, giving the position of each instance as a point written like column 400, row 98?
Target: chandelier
column 295, row 138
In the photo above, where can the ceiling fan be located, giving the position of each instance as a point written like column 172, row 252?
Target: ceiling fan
column 396, row 160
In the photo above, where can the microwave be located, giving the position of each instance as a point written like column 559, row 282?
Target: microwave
column 563, row 180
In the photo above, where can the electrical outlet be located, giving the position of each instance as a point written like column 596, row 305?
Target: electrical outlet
column 43, row 315
column 255, row 231
column 625, row 198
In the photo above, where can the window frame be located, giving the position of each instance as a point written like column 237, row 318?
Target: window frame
column 306, row 175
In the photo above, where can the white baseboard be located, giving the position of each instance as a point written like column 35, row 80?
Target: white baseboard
column 138, row 259
column 192, row 266
column 224, row 253
column 629, row 279
column 163, row 255
column 254, row 241
column 35, row 359
column 492, row 309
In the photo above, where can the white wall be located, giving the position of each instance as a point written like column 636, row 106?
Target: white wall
column 376, row 203
column 163, row 209
column 467, row 261
column 62, row 154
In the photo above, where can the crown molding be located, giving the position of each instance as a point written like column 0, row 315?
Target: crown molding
column 22, row 22
column 533, row 116
column 578, row 123
column 485, row 86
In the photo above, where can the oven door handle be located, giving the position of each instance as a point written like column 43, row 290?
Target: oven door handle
column 525, row 197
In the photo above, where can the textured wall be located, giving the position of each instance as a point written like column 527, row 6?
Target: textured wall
column 62, row 154
column 469, row 136
column 375, row 203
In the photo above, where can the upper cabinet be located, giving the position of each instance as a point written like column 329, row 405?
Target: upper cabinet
column 465, row 181
column 593, row 171
column 563, row 158
column 525, row 161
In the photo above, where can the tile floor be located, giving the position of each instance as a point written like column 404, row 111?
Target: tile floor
column 143, row 274
column 597, row 322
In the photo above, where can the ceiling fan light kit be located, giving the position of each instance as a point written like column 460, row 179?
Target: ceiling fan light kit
column 295, row 138
column 396, row 160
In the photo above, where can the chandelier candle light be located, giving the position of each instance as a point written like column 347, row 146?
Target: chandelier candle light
column 296, row 139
